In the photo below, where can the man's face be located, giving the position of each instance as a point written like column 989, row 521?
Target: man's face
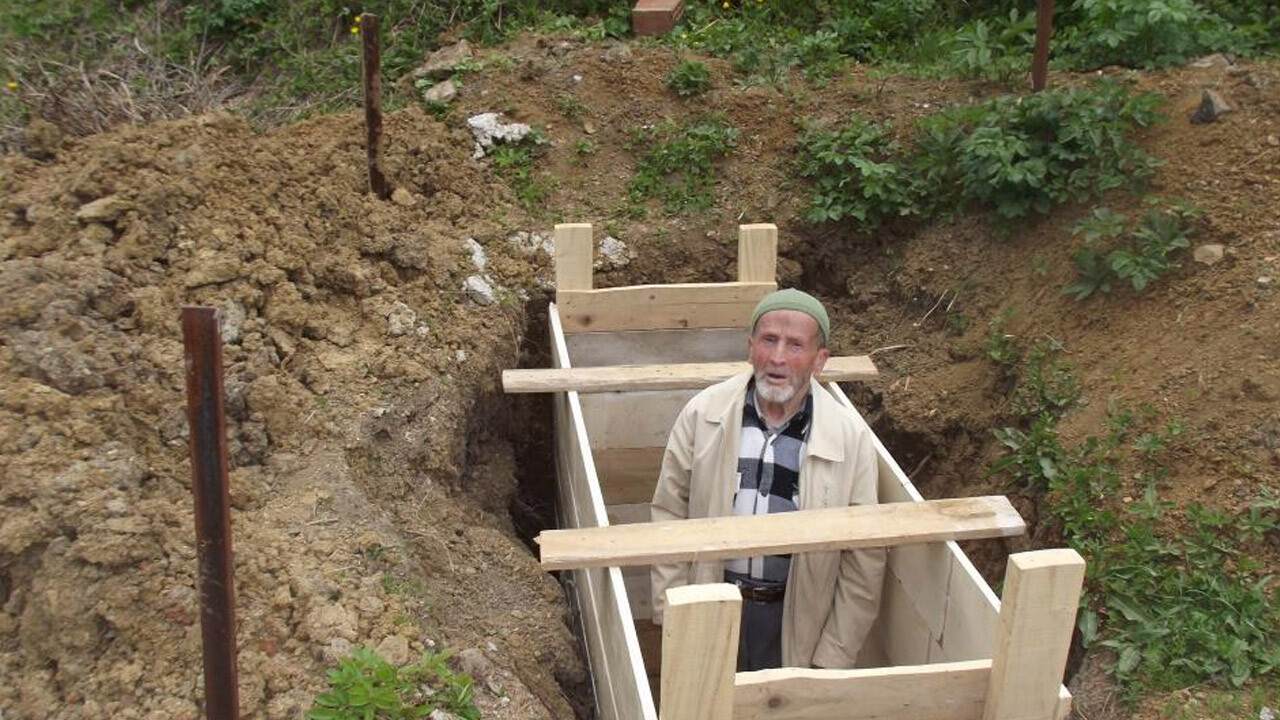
column 786, row 350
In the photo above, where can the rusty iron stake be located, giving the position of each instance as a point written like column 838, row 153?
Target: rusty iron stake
column 207, row 420
column 1044, row 28
column 371, row 62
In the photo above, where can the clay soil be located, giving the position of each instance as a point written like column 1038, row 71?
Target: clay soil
column 383, row 488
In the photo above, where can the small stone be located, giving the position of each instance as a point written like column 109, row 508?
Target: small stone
column 1265, row 281
column 477, row 253
column 402, row 197
column 1212, row 106
column 1266, row 713
column 400, row 319
column 439, row 714
column 1273, row 140
column 460, row 356
column 588, row 127
column 577, row 79
column 395, row 650
column 443, row 62
column 488, row 130
column 1215, row 60
column 613, row 254
column 490, row 646
column 1209, row 254
column 105, row 209
column 337, row 649
column 618, row 52
column 441, row 92
column 479, row 290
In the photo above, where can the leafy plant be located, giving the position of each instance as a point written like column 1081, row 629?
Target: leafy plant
column 515, row 163
column 1144, row 257
column 689, row 78
column 855, row 174
column 676, row 164
column 366, row 687
column 999, row 50
column 999, row 346
column 1141, row 33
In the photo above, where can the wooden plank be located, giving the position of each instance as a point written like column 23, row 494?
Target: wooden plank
column 923, row 571
column 758, row 252
column 700, row 652
column 631, row 378
column 906, row 635
column 633, row 420
column 628, row 475
column 639, row 591
column 720, row 538
column 950, row 691
column 656, row 307
column 657, row 347
column 574, row 254
column 618, row 671
column 1037, row 616
column 972, row 614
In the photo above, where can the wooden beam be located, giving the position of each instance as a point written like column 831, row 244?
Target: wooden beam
column 699, row 652
column 623, row 378
column 1037, row 616
column 802, row 531
column 944, row 691
column 657, row 347
column 574, row 254
column 657, row 307
column 758, row 253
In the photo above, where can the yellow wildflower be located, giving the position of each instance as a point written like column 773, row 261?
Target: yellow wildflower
column 359, row 19
column 725, row 5
column 355, row 29
column 12, row 85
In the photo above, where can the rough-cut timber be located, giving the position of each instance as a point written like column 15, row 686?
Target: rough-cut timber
column 661, row 377
column 781, row 533
column 699, row 652
column 942, row 691
column 655, row 17
column 651, row 307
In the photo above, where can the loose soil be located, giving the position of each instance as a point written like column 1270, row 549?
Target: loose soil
column 383, row 488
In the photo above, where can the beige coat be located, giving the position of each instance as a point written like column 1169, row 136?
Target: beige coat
column 832, row 597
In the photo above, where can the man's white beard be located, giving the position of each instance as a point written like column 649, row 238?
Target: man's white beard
column 773, row 393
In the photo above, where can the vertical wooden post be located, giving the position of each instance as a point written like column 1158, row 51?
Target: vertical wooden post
column 208, row 429
column 1044, row 28
column 371, row 62
column 1037, row 616
column 699, row 652
column 575, row 252
column 758, row 253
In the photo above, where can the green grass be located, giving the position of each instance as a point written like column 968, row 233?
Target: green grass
column 677, row 163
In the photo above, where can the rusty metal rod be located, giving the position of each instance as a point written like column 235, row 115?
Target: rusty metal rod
column 1044, row 28
column 206, row 417
column 371, row 62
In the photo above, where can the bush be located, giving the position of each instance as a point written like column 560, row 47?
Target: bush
column 1140, row 33
column 689, row 78
column 366, row 687
column 1024, row 154
column 857, row 173
column 1144, row 258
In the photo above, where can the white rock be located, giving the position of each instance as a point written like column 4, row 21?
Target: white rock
column 441, row 92
column 1266, row 713
column 460, row 356
column 489, row 130
column 479, row 290
column 1209, row 254
column 1265, row 281
column 531, row 243
column 231, row 317
column 613, row 253
column 477, row 253
column 400, row 319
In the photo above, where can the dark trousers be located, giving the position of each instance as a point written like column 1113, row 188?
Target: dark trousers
column 760, row 636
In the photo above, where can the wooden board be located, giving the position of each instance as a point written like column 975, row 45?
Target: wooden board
column 628, row 475
column 757, row 252
column 720, row 538
column 656, row 307
column 634, row 419
column 618, row 672
column 951, row 691
column 574, row 253
column 622, row 378
column 657, row 347
column 700, row 651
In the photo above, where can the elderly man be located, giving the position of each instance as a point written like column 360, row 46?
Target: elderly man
column 766, row 441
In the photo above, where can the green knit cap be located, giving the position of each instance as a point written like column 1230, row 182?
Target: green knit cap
column 792, row 299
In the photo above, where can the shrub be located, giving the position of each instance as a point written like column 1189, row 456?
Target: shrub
column 857, row 173
column 1142, row 259
column 1024, row 154
column 1140, row 33
column 998, row 51
column 689, row 78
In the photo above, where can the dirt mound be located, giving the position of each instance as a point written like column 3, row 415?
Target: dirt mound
column 355, row 365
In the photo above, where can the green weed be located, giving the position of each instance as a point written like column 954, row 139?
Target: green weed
column 677, row 164
column 366, row 687
column 1144, row 256
column 857, row 173
column 689, row 78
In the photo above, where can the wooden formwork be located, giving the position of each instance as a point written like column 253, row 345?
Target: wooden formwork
column 940, row 630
